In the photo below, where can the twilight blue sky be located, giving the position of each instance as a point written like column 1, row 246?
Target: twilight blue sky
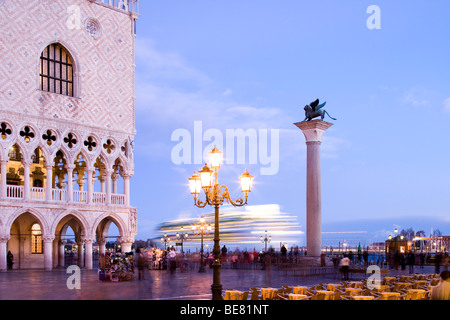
column 254, row 64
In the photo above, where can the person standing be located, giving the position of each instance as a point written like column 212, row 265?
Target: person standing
column 140, row 262
column 10, row 260
column 411, row 261
column 345, row 264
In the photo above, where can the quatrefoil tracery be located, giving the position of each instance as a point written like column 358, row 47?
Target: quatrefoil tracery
column 90, row 143
column 49, row 136
column 70, row 140
column 109, row 146
column 27, row 134
column 4, row 130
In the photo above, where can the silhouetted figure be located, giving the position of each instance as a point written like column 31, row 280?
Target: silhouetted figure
column 10, row 260
column 411, row 261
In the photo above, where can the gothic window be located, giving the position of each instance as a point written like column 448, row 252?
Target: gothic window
column 14, row 153
column 56, row 70
column 36, row 239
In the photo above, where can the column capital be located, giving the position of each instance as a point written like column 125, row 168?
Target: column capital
column 69, row 166
column 313, row 130
column 125, row 240
column 48, row 238
column 4, row 237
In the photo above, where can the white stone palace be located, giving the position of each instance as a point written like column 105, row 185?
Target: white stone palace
column 67, row 125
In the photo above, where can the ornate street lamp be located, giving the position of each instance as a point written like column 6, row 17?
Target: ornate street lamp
column 164, row 240
column 207, row 180
column 202, row 229
column 266, row 240
column 182, row 236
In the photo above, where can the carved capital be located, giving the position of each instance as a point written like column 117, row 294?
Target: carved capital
column 47, row 239
column 4, row 237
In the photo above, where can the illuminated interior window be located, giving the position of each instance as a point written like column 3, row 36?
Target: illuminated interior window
column 56, row 70
column 36, row 239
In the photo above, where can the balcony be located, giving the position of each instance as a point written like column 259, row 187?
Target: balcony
column 62, row 195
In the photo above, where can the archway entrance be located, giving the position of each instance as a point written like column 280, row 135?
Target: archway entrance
column 26, row 242
column 69, row 246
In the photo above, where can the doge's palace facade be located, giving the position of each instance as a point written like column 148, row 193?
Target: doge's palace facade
column 66, row 127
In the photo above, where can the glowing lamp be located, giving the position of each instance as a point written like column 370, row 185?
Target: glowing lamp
column 195, row 184
column 206, row 177
column 215, row 157
column 246, row 181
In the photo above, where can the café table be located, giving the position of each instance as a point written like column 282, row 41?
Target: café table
column 388, row 295
column 415, row 294
column 388, row 280
column 295, row 296
column 267, row 293
column 405, row 278
column 333, row 286
column 363, row 297
column 353, row 291
column 420, row 276
column 355, row 284
column 232, row 294
column 329, row 295
column 402, row 285
column 419, row 283
column 383, row 287
column 299, row 289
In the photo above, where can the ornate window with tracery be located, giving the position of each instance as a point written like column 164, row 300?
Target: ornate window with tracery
column 56, row 70
column 36, row 239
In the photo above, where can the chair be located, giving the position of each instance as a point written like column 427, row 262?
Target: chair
column 280, row 297
column 244, row 295
column 287, row 289
column 255, row 294
column 277, row 294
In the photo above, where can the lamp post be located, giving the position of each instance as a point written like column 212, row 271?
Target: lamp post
column 215, row 196
column 182, row 236
column 164, row 240
column 202, row 229
column 265, row 240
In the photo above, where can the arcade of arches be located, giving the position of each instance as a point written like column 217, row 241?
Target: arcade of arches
column 87, row 195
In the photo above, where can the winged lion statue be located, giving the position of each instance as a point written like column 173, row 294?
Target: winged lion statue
column 314, row 110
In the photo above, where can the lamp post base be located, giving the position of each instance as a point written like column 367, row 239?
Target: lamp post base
column 216, row 290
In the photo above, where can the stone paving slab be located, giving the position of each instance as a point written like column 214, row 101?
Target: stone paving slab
column 157, row 285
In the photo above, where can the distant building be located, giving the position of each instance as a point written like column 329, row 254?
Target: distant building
column 66, row 127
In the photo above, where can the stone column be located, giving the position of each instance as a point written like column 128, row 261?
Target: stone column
column 3, row 252
column 80, row 252
column 101, row 246
column 114, row 177
column 49, row 182
column 125, row 244
column 26, row 179
column 88, row 253
column 3, row 164
column 126, row 188
column 69, row 168
column 90, row 185
column 108, row 186
column 48, row 252
column 61, row 257
column 313, row 131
